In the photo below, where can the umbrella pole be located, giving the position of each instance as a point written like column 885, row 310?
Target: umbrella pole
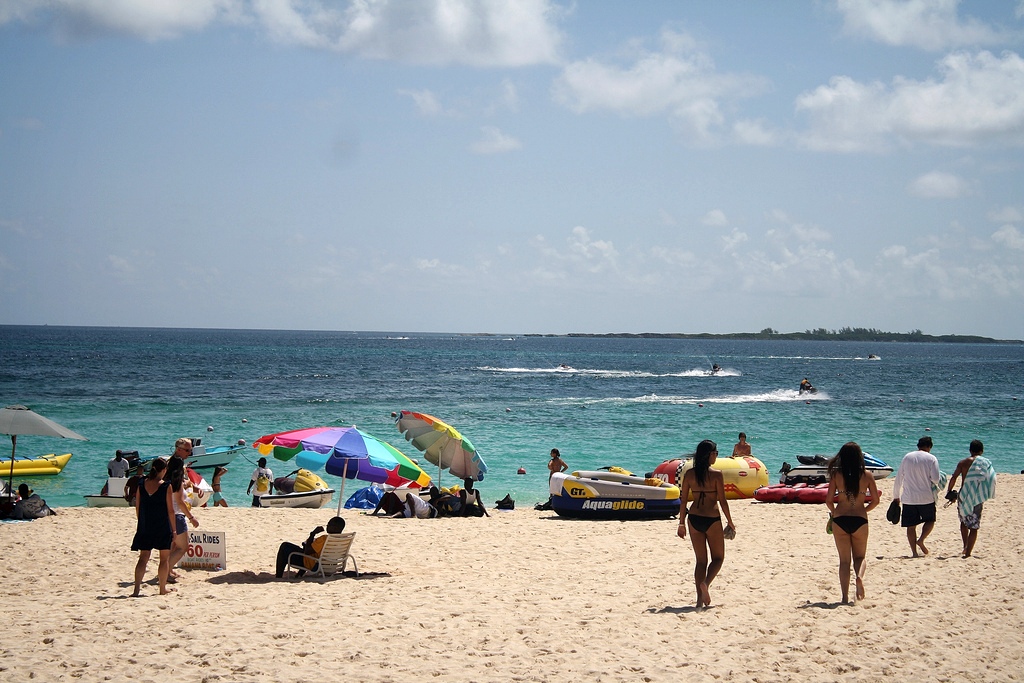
column 10, row 477
column 341, row 496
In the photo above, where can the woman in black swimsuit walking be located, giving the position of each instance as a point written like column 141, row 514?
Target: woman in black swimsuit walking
column 848, row 485
column 705, row 523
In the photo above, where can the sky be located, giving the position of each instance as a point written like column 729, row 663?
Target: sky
column 528, row 166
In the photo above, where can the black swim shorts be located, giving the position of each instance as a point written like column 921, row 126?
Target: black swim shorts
column 917, row 514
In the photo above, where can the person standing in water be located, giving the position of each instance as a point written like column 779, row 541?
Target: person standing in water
column 848, row 485
column 556, row 464
column 703, row 518
column 217, row 499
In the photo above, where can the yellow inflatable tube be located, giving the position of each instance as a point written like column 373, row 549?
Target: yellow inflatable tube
column 35, row 467
column 743, row 475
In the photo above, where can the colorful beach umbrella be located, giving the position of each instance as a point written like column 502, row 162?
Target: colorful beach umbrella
column 442, row 445
column 345, row 452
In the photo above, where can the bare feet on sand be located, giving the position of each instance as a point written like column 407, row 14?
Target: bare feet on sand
column 705, row 596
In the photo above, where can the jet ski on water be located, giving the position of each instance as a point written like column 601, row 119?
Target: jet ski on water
column 806, row 388
column 813, row 469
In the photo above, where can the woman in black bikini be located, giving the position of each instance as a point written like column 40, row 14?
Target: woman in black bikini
column 706, row 533
column 848, row 485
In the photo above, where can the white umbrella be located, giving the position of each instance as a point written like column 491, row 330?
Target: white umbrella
column 18, row 421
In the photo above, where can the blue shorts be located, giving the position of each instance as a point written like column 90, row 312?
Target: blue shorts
column 917, row 514
column 179, row 522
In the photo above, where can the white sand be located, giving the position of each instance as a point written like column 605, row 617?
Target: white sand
column 521, row 596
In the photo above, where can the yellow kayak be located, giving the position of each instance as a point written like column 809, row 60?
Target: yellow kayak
column 35, row 467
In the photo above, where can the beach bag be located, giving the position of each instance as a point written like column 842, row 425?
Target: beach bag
column 893, row 513
column 262, row 484
column 505, row 503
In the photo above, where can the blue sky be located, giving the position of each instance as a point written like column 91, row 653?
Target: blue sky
column 530, row 166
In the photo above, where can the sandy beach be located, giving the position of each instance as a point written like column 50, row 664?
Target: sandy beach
column 521, row 596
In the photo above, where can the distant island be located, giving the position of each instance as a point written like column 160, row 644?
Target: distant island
column 860, row 334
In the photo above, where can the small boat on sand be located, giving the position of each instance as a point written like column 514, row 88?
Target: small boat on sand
column 35, row 467
column 114, row 496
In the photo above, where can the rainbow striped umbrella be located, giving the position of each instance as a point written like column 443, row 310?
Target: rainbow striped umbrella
column 442, row 445
column 345, row 452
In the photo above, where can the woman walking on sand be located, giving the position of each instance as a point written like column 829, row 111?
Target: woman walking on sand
column 155, row 517
column 176, row 477
column 703, row 519
column 848, row 485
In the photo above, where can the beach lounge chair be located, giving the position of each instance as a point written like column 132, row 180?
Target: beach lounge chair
column 334, row 555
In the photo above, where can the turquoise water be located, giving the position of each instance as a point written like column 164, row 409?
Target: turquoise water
column 626, row 402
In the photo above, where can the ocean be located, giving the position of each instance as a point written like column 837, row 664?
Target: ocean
column 601, row 401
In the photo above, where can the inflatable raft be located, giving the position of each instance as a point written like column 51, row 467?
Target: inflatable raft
column 743, row 474
column 796, row 493
column 35, row 467
column 612, row 495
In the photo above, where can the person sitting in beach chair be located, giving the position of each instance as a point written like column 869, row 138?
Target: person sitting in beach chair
column 310, row 548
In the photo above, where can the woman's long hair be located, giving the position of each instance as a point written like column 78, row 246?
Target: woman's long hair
column 156, row 470
column 175, row 473
column 702, row 460
column 849, row 462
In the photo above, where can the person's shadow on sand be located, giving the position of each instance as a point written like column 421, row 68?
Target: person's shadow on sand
column 688, row 609
column 824, row 605
column 251, row 577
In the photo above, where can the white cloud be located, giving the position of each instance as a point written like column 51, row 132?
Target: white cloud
column 733, row 240
column 926, row 24
column 495, row 142
column 149, row 20
column 1010, row 237
column 939, row 185
column 593, row 255
column 426, row 102
column 754, row 133
column 473, row 32
column 1007, row 214
column 801, row 231
column 715, row 218
column 678, row 81
column 978, row 99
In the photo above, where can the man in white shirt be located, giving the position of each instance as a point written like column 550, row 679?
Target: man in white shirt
column 263, row 479
column 416, row 507
column 118, row 467
column 915, row 486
